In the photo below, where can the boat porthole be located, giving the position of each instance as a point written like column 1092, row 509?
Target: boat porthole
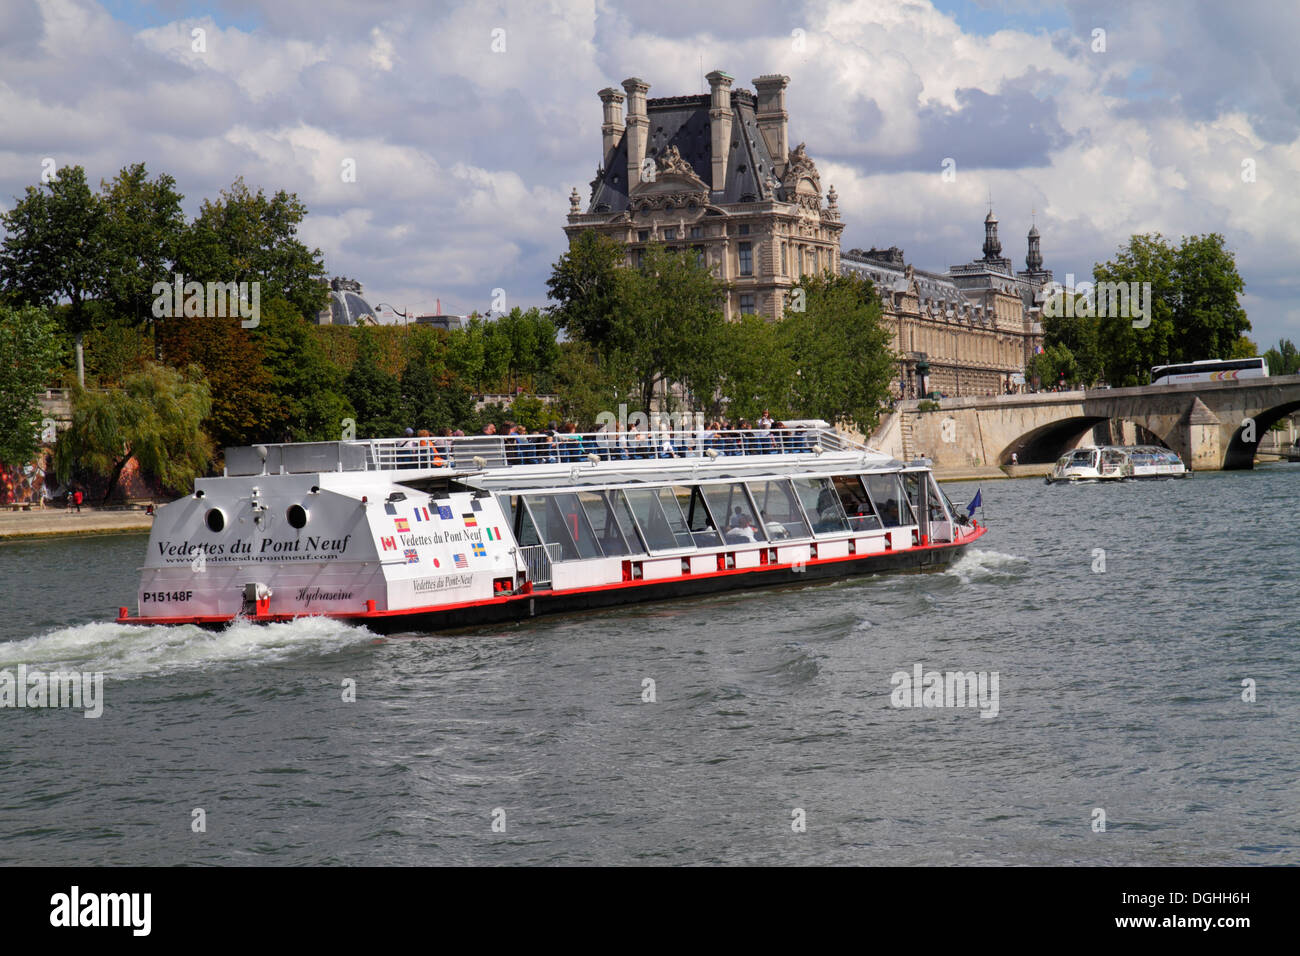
column 297, row 516
column 216, row 520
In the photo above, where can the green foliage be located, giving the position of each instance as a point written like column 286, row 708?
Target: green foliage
column 584, row 284
column 840, row 352
column 375, row 394
column 926, row 405
column 142, row 231
column 1284, row 359
column 115, row 348
column 309, row 385
column 585, row 386
column 1056, row 365
column 250, row 237
column 28, row 357
column 1195, row 312
column 53, row 247
column 668, row 326
column 154, row 418
column 758, row 371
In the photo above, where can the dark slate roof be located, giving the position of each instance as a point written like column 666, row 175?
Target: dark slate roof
column 683, row 121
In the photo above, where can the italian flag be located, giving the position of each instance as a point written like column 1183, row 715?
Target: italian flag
column 494, row 534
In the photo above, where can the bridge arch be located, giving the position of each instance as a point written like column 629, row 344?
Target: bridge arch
column 1045, row 444
column 1241, row 454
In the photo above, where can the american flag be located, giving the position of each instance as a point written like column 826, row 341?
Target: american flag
column 460, row 560
column 479, row 550
column 444, row 512
column 412, row 556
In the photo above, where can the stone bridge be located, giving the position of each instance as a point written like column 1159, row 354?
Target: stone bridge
column 1211, row 425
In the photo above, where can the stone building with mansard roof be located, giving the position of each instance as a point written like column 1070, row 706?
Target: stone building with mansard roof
column 715, row 173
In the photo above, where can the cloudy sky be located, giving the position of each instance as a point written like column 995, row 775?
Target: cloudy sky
column 1182, row 118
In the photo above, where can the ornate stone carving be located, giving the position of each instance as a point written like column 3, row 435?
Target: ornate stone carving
column 800, row 167
column 575, row 202
column 670, row 161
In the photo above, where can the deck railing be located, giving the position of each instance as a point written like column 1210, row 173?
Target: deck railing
column 538, row 559
column 477, row 452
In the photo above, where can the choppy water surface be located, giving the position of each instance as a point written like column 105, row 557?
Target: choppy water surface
column 1118, row 690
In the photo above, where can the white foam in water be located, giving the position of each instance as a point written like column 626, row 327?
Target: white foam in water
column 979, row 565
column 125, row 651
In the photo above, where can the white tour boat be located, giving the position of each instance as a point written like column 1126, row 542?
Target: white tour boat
column 422, row 534
column 1117, row 463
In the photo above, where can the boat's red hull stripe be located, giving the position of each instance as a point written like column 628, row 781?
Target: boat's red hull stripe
column 505, row 599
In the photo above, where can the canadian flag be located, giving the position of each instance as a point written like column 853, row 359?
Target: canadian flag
column 388, row 543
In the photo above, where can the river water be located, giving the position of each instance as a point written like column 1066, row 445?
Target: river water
column 1121, row 622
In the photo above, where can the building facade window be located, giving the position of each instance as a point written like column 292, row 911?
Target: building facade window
column 638, row 258
column 670, row 234
column 697, row 232
column 744, row 230
column 747, row 304
column 746, row 251
column 699, row 254
column 643, row 235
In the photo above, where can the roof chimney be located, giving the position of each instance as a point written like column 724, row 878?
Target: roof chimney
column 611, row 133
column 638, row 128
column 720, row 125
column 773, row 120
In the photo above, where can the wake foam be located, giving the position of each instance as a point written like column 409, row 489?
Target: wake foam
column 125, row 652
column 979, row 565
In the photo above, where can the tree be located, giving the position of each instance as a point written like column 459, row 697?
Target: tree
column 250, row 237
column 1284, row 359
column 1194, row 311
column 308, row 385
column 28, row 356
column 154, row 418
column 376, row 395
column 244, row 408
column 143, row 227
column 585, row 386
column 668, row 324
column 53, row 250
column 758, row 370
column 584, row 285
column 840, row 352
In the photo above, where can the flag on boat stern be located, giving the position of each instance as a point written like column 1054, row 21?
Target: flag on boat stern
column 976, row 502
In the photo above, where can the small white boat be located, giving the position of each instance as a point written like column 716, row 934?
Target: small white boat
column 1117, row 463
column 1153, row 461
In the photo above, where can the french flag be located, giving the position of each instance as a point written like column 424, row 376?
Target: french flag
column 421, row 514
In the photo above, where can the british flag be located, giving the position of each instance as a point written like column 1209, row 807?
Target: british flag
column 412, row 556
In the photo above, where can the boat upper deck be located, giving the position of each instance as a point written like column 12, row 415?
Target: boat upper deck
column 495, row 460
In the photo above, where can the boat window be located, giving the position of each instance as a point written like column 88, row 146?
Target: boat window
column 779, row 509
column 887, row 496
column 627, row 521
column 821, row 505
column 704, row 533
column 938, row 501
column 553, row 525
column 520, row 522
column 604, row 522
column 660, row 529
column 1082, row 457
column 576, row 519
column 857, row 505
column 741, row 525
